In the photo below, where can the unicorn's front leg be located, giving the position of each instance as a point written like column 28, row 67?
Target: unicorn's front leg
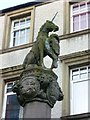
column 41, row 59
column 41, row 52
column 54, row 63
column 42, row 56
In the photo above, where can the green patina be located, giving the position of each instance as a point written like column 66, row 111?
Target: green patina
column 44, row 45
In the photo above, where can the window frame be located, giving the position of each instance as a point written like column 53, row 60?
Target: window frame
column 11, row 16
column 12, row 42
column 79, row 12
column 72, row 81
column 6, row 94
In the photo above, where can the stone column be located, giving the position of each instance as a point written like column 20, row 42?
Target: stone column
column 37, row 110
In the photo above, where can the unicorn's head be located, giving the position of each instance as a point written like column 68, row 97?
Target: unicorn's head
column 49, row 26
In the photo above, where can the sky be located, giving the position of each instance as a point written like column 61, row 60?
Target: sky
column 9, row 3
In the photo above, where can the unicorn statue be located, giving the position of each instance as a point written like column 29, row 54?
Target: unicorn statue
column 37, row 83
column 44, row 45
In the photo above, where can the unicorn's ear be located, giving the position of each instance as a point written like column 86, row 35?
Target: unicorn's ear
column 48, row 21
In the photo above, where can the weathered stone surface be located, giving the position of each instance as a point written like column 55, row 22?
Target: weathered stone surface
column 37, row 110
column 38, row 84
column 44, row 45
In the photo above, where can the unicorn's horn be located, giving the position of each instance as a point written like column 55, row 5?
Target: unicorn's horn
column 54, row 16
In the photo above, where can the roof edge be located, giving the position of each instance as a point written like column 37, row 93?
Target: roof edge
column 28, row 4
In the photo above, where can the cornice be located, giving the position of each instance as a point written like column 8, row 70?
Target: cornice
column 15, row 71
column 74, row 34
column 17, row 7
column 25, row 5
column 11, row 72
column 83, row 116
column 16, row 48
column 74, row 55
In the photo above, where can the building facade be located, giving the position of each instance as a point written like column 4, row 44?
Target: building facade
column 19, row 26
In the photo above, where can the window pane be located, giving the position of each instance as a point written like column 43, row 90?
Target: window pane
column 88, row 72
column 88, row 69
column 83, row 70
column 9, row 90
column 80, row 97
column 75, row 77
column 83, row 22
column 76, row 23
column 12, row 107
column 22, row 32
column 27, row 34
column 16, row 24
column 9, row 85
column 82, row 6
column 22, row 22
column 83, row 76
column 83, row 73
column 76, row 7
column 15, row 41
column 89, row 20
column 16, row 34
column 28, row 21
column 22, row 37
column 75, row 72
column 88, row 4
column 89, row 75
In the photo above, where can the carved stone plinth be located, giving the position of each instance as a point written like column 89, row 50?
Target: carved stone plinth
column 38, row 84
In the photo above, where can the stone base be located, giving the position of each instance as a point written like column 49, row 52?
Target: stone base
column 38, row 84
column 37, row 110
